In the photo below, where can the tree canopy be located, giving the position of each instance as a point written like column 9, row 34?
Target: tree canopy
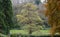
column 29, row 18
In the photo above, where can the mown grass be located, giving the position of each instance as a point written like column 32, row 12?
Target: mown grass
column 25, row 32
column 41, row 33
column 22, row 32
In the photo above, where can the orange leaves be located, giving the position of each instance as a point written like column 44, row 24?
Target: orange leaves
column 46, row 5
column 46, row 13
column 53, row 14
column 58, row 4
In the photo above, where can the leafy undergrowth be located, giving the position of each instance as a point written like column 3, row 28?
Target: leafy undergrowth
column 2, row 35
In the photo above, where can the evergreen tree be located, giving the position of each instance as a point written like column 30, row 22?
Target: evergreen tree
column 37, row 2
column 6, row 15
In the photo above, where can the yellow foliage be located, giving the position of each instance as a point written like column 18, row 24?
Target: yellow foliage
column 31, row 6
column 21, row 18
column 29, row 17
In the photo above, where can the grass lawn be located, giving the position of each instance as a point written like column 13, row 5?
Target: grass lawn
column 25, row 32
column 41, row 33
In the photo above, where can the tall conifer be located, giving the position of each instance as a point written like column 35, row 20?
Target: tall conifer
column 6, row 15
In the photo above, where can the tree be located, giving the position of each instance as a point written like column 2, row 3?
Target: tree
column 6, row 15
column 37, row 2
column 53, row 14
column 29, row 18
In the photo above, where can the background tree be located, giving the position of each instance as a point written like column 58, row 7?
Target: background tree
column 6, row 16
column 53, row 14
column 37, row 2
column 29, row 18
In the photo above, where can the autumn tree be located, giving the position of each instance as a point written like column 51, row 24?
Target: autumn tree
column 53, row 14
column 29, row 18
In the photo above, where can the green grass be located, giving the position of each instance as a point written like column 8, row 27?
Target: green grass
column 22, row 32
column 25, row 32
column 2, row 35
column 41, row 33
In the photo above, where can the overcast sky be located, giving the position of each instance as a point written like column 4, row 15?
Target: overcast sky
column 20, row 1
column 26, row 0
column 42, row 0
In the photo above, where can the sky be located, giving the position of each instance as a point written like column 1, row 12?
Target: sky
column 15, row 1
column 42, row 1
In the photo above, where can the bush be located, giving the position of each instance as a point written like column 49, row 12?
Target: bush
column 2, row 35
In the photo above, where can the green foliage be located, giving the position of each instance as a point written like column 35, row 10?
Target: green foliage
column 2, row 35
column 6, row 15
column 33, row 27
column 29, row 18
column 29, row 12
column 37, row 2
